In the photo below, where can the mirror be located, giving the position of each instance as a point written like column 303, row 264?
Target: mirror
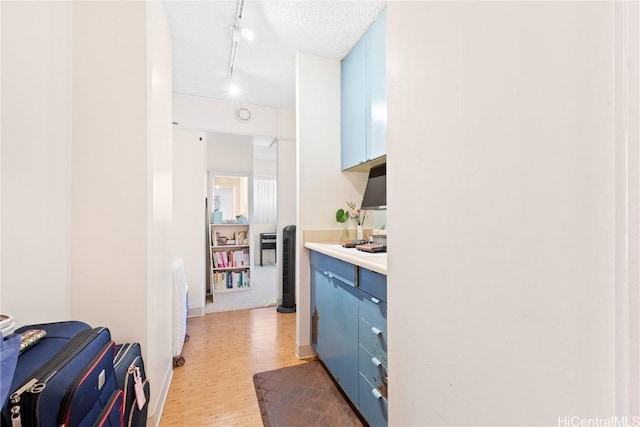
column 230, row 195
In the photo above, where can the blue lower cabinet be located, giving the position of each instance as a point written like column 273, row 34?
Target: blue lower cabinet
column 372, row 404
column 349, row 331
column 338, row 335
column 373, row 370
column 316, row 275
column 373, row 310
column 374, row 340
column 335, row 268
column 375, row 284
column 334, row 328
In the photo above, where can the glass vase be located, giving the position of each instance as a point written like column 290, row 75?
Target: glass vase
column 345, row 233
column 359, row 233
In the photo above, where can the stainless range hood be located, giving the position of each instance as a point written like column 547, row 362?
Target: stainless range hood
column 375, row 195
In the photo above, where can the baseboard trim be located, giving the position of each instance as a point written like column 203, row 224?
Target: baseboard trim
column 196, row 312
column 153, row 419
column 305, row 351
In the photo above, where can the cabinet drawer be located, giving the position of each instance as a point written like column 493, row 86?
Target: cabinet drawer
column 372, row 406
column 373, row 283
column 375, row 342
column 373, row 310
column 334, row 267
column 373, row 370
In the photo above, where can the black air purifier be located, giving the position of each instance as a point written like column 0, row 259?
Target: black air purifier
column 288, row 270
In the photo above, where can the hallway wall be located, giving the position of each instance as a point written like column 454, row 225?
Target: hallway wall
column 504, row 312
column 36, row 150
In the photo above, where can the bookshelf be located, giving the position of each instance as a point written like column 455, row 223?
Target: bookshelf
column 230, row 257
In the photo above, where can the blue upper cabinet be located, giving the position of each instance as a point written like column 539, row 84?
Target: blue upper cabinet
column 363, row 124
column 377, row 88
column 353, row 108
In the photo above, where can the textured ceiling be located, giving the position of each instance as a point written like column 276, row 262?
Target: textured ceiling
column 264, row 68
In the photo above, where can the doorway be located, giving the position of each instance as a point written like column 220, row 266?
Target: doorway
column 241, row 176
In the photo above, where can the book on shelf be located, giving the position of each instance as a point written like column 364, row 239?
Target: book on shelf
column 231, row 259
column 236, row 238
column 219, row 260
column 241, row 237
column 240, row 279
column 231, row 279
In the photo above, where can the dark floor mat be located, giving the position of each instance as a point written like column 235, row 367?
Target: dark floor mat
column 302, row 395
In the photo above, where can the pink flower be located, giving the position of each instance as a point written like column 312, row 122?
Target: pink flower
column 358, row 215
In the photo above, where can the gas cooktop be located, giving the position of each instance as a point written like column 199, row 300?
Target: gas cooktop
column 372, row 247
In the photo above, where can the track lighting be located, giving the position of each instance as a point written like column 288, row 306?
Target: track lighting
column 237, row 34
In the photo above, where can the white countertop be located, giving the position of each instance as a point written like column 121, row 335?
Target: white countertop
column 371, row 261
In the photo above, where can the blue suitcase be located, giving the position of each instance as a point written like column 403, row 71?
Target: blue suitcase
column 129, row 366
column 58, row 335
column 111, row 415
column 67, row 379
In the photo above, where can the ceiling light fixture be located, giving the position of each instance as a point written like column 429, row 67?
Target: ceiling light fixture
column 237, row 34
column 247, row 34
column 234, row 90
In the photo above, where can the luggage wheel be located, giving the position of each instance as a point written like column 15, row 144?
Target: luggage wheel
column 178, row 361
column 187, row 338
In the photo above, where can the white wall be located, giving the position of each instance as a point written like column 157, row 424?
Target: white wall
column 36, row 134
column 1, row 160
column 502, row 312
column 321, row 187
column 265, row 167
column 286, row 125
column 121, row 242
column 229, row 153
column 159, row 204
column 109, row 167
column 287, row 199
column 189, row 217
column 192, row 112
column 86, row 173
column 627, row 134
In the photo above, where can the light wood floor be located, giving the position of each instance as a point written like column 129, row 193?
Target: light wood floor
column 215, row 386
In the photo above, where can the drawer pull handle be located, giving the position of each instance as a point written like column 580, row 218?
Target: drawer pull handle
column 375, row 300
column 376, row 330
column 376, row 393
column 376, row 361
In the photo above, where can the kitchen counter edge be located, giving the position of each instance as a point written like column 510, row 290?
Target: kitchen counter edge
column 373, row 262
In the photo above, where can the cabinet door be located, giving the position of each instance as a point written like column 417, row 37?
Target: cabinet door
column 316, row 276
column 335, row 314
column 376, row 38
column 353, row 108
